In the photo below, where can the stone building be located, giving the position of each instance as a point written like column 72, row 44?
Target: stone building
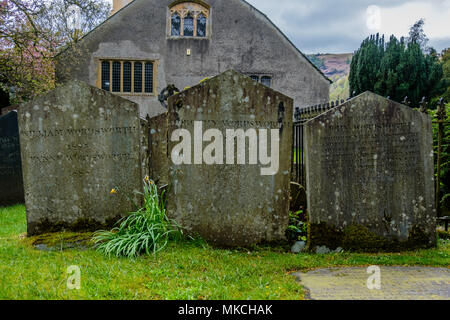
column 148, row 44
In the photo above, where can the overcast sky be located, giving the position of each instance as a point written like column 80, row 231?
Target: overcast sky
column 339, row 26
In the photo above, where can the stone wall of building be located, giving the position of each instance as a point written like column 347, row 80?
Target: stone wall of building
column 241, row 38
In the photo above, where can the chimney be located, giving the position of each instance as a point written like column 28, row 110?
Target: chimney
column 119, row 4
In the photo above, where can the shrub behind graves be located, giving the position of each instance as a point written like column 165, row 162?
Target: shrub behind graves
column 297, row 230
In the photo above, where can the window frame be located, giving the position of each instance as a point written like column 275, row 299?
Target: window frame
column 191, row 17
column 197, row 19
column 266, row 77
column 171, row 24
column 195, row 9
column 260, row 77
column 253, row 76
column 122, row 61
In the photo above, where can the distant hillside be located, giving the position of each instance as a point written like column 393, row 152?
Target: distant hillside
column 337, row 68
column 332, row 64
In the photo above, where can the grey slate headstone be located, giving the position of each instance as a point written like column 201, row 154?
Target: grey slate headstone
column 159, row 162
column 78, row 143
column 370, row 177
column 231, row 204
column 11, row 184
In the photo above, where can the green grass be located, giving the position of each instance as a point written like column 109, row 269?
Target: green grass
column 191, row 270
column 301, row 155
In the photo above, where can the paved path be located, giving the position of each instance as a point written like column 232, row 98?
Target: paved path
column 397, row 283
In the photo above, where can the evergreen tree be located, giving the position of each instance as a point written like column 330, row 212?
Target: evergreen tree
column 418, row 36
column 365, row 64
column 397, row 68
column 443, row 87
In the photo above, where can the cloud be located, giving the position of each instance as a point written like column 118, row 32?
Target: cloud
column 340, row 25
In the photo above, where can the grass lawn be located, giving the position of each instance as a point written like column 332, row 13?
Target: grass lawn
column 183, row 271
column 300, row 154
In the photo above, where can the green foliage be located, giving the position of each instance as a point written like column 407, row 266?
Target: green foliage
column 366, row 64
column 300, row 154
column 148, row 230
column 297, row 230
column 397, row 68
column 339, row 89
column 444, row 89
column 443, row 235
column 32, row 33
column 445, row 160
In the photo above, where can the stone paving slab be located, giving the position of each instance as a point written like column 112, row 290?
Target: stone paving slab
column 397, row 283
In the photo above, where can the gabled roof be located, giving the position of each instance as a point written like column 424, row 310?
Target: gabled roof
column 244, row 1
column 288, row 40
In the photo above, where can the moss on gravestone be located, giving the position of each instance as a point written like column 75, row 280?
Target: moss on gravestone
column 80, row 225
column 60, row 241
column 358, row 238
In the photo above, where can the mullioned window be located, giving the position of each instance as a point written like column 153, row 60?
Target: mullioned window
column 189, row 19
column 127, row 77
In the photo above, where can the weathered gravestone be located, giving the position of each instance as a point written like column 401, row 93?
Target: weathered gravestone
column 78, row 143
column 158, row 163
column 145, row 152
column 11, row 184
column 370, row 177
column 232, row 191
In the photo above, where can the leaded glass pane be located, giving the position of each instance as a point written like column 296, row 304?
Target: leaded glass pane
column 267, row 81
column 149, row 77
column 127, row 77
column 116, row 77
column 201, row 26
column 138, row 77
column 176, row 25
column 105, row 75
column 188, row 26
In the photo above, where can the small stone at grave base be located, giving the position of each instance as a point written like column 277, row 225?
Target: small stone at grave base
column 298, row 247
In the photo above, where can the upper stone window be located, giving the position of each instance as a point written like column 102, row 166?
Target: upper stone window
column 176, row 25
column 265, row 80
column 188, row 25
column 189, row 19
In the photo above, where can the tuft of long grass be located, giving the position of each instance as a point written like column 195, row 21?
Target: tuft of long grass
column 147, row 230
